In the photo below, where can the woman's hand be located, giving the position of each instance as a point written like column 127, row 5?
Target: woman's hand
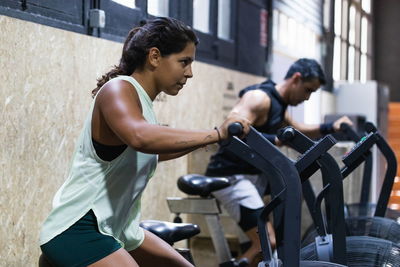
column 234, row 117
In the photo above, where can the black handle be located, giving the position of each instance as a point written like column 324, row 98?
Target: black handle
column 235, row 129
column 349, row 132
column 370, row 127
column 286, row 134
column 344, row 127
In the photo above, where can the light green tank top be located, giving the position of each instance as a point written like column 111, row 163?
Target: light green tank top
column 112, row 189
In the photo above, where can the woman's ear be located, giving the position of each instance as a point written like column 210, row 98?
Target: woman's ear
column 154, row 56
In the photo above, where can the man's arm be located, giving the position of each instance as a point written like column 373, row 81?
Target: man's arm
column 317, row 130
column 254, row 106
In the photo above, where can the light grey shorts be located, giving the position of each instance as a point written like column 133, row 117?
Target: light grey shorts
column 247, row 191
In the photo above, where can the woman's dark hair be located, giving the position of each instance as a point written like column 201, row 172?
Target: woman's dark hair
column 309, row 69
column 167, row 34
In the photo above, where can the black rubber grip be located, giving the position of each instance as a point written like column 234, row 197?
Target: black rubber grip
column 370, row 127
column 349, row 132
column 235, row 129
column 286, row 134
column 344, row 127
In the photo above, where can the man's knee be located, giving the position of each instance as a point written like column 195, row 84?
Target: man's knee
column 248, row 217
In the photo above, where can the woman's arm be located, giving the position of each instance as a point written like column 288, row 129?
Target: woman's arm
column 120, row 107
column 253, row 106
column 164, row 157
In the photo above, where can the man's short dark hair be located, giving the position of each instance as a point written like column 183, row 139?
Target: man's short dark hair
column 309, row 70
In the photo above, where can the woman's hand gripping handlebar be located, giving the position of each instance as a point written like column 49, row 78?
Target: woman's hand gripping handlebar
column 235, row 129
column 237, row 123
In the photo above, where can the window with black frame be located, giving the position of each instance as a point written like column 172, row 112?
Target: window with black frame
column 232, row 33
column 213, row 23
column 352, row 55
column 121, row 16
column 159, row 8
column 68, row 15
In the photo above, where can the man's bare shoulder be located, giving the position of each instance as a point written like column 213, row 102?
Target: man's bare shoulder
column 257, row 99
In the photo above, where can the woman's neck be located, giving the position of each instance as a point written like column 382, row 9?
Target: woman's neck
column 147, row 82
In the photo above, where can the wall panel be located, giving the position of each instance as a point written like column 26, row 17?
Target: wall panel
column 46, row 78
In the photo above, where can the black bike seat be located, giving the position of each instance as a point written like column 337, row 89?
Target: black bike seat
column 171, row 232
column 196, row 184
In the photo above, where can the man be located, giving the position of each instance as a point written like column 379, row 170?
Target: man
column 265, row 106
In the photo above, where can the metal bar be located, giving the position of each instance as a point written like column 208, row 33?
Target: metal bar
column 366, row 181
column 218, row 238
column 391, row 171
column 193, row 205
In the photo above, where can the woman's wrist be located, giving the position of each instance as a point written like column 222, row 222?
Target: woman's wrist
column 218, row 135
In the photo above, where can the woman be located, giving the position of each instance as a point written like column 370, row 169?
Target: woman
column 95, row 216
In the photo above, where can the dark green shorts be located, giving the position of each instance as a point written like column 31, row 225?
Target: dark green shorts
column 80, row 245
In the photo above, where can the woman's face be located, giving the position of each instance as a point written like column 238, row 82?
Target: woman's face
column 173, row 70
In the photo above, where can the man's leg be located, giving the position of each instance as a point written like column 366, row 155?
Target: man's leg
column 243, row 202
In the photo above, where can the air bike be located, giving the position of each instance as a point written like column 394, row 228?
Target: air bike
column 374, row 225
column 364, row 207
column 285, row 178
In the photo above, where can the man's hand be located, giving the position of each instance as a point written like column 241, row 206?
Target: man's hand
column 344, row 119
column 278, row 142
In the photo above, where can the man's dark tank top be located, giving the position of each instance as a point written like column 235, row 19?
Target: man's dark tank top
column 223, row 162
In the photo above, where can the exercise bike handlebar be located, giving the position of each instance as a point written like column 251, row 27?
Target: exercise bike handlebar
column 349, row 132
column 370, row 127
column 235, row 129
column 256, row 150
column 286, row 134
